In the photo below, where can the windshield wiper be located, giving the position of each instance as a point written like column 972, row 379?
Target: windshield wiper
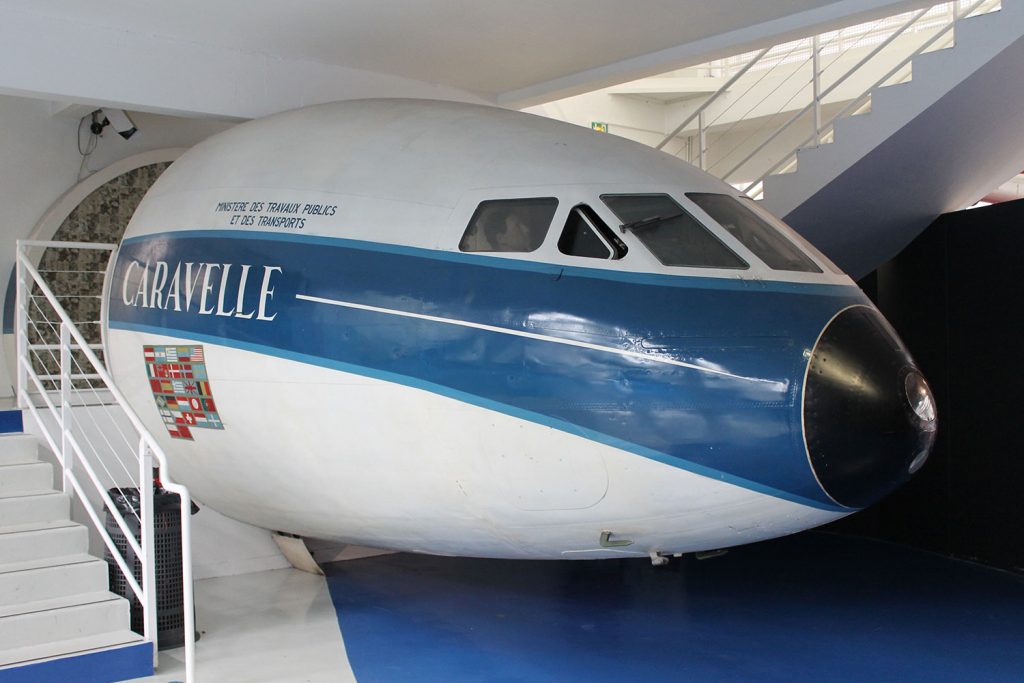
column 647, row 222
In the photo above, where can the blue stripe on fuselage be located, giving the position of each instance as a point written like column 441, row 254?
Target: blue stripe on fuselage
column 743, row 427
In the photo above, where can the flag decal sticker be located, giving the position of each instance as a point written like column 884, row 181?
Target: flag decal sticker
column 181, row 388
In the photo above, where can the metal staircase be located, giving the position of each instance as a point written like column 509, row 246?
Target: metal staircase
column 58, row 619
column 858, row 137
column 869, row 146
column 934, row 144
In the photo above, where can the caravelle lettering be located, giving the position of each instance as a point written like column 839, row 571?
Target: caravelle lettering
column 241, row 291
column 266, row 292
column 143, row 285
column 223, row 291
column 124, row 285
column 190, row 284
column 159, row 280
column 209, row 288
column 174, row 290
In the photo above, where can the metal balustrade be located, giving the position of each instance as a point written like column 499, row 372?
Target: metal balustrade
column 805, row 78
column 89, row 426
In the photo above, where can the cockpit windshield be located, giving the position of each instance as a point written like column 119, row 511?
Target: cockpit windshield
column 756, row 234
column 675, row 237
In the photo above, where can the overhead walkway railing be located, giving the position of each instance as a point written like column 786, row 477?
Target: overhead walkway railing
column 95, row 435
column 743, row 132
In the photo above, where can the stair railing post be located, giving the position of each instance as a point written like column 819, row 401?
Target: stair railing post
column 23, row 291
column 187, row 587
column 67, row 453
column 147, row 543
column 816, row 81
column 702, row 139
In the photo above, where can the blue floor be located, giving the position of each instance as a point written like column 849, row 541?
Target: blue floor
column 118, row 664
column 812, row 607
column 10, row 421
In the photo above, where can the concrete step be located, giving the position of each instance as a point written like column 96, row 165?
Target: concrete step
column 35, row 544
column 30, row 476
column 34, row 507
column 50, row 604
column 45, row 562
column 47, row 621
column 18, row 448
column 36, row 526
column 72, row 646
column 59, row 580
column 852, row 126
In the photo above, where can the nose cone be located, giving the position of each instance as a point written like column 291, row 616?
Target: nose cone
column 869, row 416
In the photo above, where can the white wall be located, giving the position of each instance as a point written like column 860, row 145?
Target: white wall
column 629, row 117
column 39, row 161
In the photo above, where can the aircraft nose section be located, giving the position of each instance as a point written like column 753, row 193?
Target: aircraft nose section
column 869, row 416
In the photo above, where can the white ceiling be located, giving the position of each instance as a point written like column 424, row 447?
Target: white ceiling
column 243, row 58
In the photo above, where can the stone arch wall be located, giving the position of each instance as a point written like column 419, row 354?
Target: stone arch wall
column 76, row 275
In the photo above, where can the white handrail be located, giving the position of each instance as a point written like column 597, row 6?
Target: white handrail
column 71, row 454
column 859, row 99
column 77, row 487
column 883, row 33
column 98, row 246
column 713, row 98
column 69, row 476
column 793, row 119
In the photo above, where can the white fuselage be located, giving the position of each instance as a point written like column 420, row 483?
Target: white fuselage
column 407, row 395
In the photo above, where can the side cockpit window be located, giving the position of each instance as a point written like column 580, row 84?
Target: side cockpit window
column 675, row 237
column 755, row 233
column 586, row 235
column 509, row 225
column 792, row 235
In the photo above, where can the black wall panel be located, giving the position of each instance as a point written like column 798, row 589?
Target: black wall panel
column 956, row 295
